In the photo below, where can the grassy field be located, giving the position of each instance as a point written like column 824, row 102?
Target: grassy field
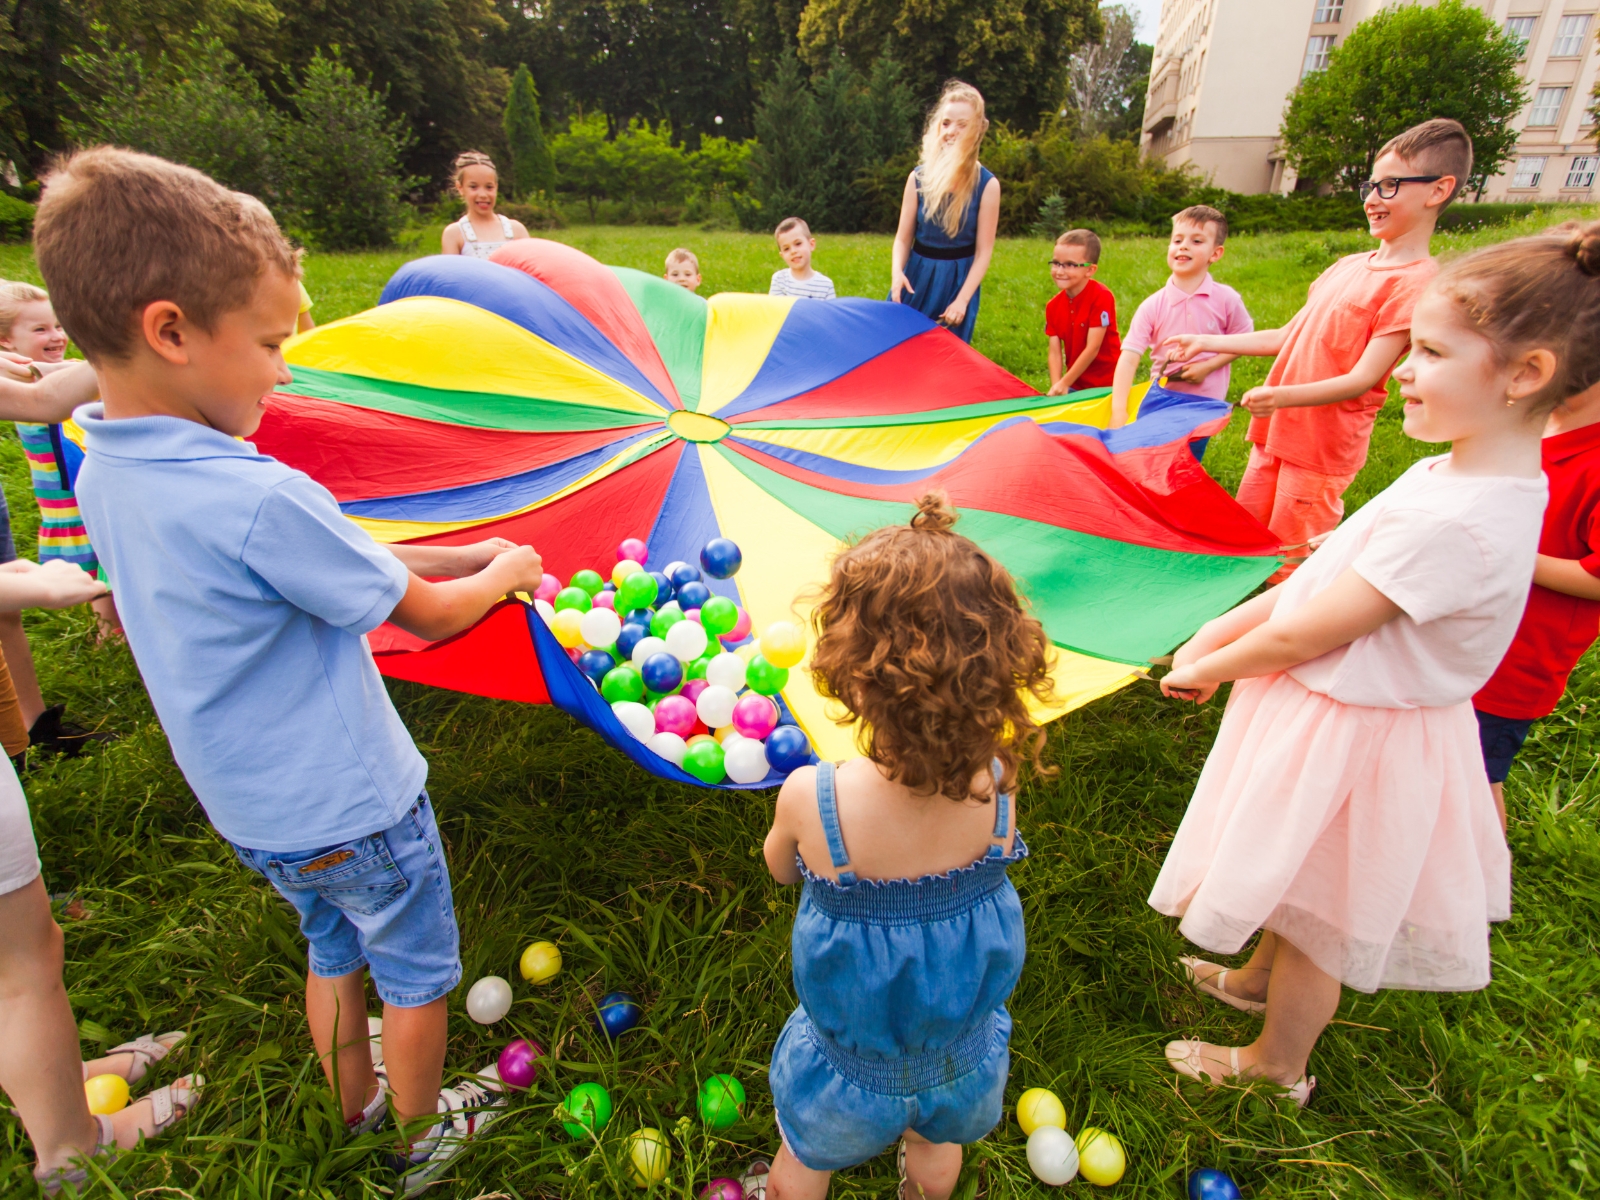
column 661, row 890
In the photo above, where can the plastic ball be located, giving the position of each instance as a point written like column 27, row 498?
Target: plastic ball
column 693, row 614
column 623, row 682
column 567, row 625
column 721, row 1097
column 692, row 687
column 726, row 670
column 729, row 737
column 668, row 745
column 782, row 644
column 1052, row 1155
column 765, row 676
column 1101, row 1157
column 1040, row 1106
column 573, row 597
column 686, row 641
column 662, row 672
column 788, row 747
column 637, row 591
column 519, row 1063
column 740, row 630
column 676, row 715
column 589, row 1105
column 755, row 716
column 488, row 1000
column 721, row 558
column 549, row 587
column 745, row 762
column 106, row 1094
column 722, row 1188
column 748, row 651
column 629, row 637
column 619, row 1012
column 704, row 762
column 545, row 611
column 600, row 626
column 588, row 580
column 647, row 647
column 718, row 615
column 540, row 962
column 664, row 588
column 715, row 705
column 681, row 573
column 1208, row 1183
column 597, row 664
column 648, row 1156
column 635, row 549
column 666, row 618
column 605, row 599
column 693, row 594
column 624, row 568
column 697, row 668
column 636, row 718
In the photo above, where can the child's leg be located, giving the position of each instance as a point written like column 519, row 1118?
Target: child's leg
column 931, row 1167
column 413, row 1057
column 106, row 617
column 337, row 1012
column 792, row 1180
column 1301, row 1000
column 1258, row 489
column 19, row 657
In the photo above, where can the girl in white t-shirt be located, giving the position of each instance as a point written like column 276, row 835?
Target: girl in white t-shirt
column 1344, row 810
column 481, row 231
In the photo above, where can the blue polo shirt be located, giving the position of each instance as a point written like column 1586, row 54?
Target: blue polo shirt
column 245, row 593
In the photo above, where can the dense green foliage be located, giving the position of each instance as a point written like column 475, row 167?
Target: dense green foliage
column 1404, row 65
column 16, row 219
column 533, row 170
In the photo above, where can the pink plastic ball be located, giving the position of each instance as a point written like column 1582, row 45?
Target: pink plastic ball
column 693, row 614
column 754, row 716
column 692, row 689
column 604, row 599
column 548, row 587
column 635, row 549
column 674, row 714
column 722, row 1189
column 519, row 1063
column 740, row 630
column 574, row 653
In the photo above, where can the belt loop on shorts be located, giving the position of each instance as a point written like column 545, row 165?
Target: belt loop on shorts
column 912, row 1073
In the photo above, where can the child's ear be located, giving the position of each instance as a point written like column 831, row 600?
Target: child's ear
column 1216, row 255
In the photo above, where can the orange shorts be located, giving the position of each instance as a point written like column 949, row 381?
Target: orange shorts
column 1295, row 503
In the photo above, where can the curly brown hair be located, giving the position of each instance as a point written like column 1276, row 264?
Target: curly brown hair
column 921, row 635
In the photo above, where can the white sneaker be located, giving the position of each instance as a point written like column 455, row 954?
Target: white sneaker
column 465, row 1108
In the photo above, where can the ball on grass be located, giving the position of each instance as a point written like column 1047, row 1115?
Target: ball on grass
column 648, row 1156
column 1208, row 1183
column 589, row 1106
column 1052, row 1155
column 489, row 1000
column 1040, row 1106
column 540, row 962
column 106, row 1094
column 721, row 1098
column 722, row 1188
column 1100, row 1156
column 519, row 1063
column 618, row 1012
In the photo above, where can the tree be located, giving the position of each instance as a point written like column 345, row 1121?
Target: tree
column 892, row 109
column 1106, row 79
column 532, row 168
column 587, row 163
column 789, row 147
column 1400, row 67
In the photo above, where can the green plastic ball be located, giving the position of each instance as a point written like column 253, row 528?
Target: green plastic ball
column 663, row 621
column 721, row 1098
column 695, row 668
column 765, row 678
column 622, row 683
column 718, row 615
column 636, row 591
column 590, row 1104
column 573, row 597
column 589, row 581
column 703, row 760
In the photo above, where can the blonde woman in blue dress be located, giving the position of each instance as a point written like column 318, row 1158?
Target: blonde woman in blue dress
column 481, row 231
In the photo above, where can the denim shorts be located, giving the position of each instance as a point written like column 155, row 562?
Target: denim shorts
column 830, row 1121
column 380, row 901
column 8, row 544
column 1501, row 738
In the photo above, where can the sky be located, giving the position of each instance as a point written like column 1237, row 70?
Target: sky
column 1149, row 12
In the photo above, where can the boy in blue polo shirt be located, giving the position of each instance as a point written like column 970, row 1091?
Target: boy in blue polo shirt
column 245, row 594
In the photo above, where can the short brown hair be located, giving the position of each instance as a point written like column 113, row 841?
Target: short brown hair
column 1085, row 238
column 680, row 255
column 1203, row 215
column 117, row 230
column 1437, row 147
column 921, row 636
column 788, row 223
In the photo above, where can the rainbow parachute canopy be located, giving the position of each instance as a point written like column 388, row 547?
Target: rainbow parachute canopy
column 543, row 397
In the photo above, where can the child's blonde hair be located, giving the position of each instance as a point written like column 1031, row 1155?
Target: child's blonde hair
column 788, row 223
column 117, row 230
column 950, row 175
column 471, row 158
column 680, row 255
column 12, row 297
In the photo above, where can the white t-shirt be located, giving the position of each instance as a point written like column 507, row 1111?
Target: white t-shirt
column 816, row 286
column 1456, row 554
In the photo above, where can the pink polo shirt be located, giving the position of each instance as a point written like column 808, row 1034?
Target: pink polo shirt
column 1213, row 308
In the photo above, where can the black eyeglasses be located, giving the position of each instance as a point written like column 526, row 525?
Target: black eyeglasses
column 1064, row 266
column 1389, row 188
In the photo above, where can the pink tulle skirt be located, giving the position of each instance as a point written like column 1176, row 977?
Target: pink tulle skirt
column 1365, row 836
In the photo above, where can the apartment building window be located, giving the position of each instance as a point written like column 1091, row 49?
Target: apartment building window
column 1546, row 108
column 1317, row 51
column 1529, row 172
column 1581, row 174
column 1570, row 37
column 1328, row 11
column 1521, row 29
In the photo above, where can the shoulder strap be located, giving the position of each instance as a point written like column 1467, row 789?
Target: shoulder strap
column 467, row 231
column 505, row 226
column 1002, row 814
column 828, row 809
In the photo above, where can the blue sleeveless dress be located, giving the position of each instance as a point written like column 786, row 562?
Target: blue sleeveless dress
column 939, row 264
column 902, row 1021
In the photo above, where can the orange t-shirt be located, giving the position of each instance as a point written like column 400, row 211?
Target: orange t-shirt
column 1350, row 303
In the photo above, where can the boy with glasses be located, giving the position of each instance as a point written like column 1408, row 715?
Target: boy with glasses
column 1312, row 419
column 1081, row 321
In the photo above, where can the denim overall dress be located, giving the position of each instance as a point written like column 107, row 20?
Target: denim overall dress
column 938, row 265
column 902, row 1021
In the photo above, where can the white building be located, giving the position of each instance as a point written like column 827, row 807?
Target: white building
column 1223, row 70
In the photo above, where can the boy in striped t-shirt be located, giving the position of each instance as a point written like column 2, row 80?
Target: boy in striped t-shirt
column 796, row 245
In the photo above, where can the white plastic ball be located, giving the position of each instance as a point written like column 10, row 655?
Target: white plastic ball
column 545, row 609
column 745, row 761
column 1052, row 1155
column 645, row 647
column 600, row 627
column 488, row 1000
column 670, row 746
column 636, row 719
column 671, row 606
column 726, row 670
column 715, row 706
column 687, row 640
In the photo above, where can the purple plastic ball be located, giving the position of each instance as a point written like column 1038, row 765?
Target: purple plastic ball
column 519, row 1063
column 722, row 1188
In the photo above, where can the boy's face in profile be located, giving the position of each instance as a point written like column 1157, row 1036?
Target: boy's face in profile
column 1410, row 206
column 684, row 275
column 796, row 246
column 1070, row 268
column 1192, row 249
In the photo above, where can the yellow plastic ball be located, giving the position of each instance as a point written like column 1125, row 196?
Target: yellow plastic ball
column 106, row 1094
column 783, row 644
column 1101, row 1159
column 1040, row 1106
column 541, row 962
column 623, row 569
column 567, row 626
column 722, row 734
column 648, row 1156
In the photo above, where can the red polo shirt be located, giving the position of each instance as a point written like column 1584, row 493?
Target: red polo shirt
column 1556, row 629
column 1071, row 317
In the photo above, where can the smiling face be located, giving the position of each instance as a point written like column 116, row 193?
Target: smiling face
column 1192, row 249
column 1413, row 204
column 955, row 121
column 240, row 361
column 36, row 333
column 1070, row 267
column 796, row 245
column 684, row 275
column 478, row 186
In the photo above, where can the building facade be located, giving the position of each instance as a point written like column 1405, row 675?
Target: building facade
column 1223, row 70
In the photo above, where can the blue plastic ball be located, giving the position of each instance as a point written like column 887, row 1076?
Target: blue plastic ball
column 788, row 747
column 681, row 573
column 662, row 673
column 608, row 586
column 630, row 637
column 663, row 587
column 639, row 616
column 619, row 1012
column 721, row 558
column 692, row 594
column 595, row 663
column 1208, row 1183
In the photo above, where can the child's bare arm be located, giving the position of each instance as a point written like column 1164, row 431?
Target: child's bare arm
column 782, row 846
column 1260, row 342
column 1091, row 346
column 1055, row 365
column 1121, row 385
column 1376, row 361
column 451, row 561
column 1567, row 576
column 440, row 610
column 1195, row 372
column 51, row 399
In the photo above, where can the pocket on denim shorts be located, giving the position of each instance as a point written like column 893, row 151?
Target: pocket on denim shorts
column 358, row 877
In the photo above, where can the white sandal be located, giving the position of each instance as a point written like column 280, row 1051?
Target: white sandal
column 1187, row 1059
column 147, row 1050
column 77, row 1172
column 171, row 1104
column 1212, row 985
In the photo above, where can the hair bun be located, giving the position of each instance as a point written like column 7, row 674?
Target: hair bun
column 934, row 512
column 1583, row 244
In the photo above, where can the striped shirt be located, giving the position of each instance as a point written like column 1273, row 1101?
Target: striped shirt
column 53, row 456
column 817, row 287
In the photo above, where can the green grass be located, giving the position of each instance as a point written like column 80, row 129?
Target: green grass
column 661, row 890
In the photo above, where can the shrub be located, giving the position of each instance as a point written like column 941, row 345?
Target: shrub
column 534, row 216
column 533, row 171
column 16, row 219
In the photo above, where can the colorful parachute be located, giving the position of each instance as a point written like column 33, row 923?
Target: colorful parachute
column 548, row 399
